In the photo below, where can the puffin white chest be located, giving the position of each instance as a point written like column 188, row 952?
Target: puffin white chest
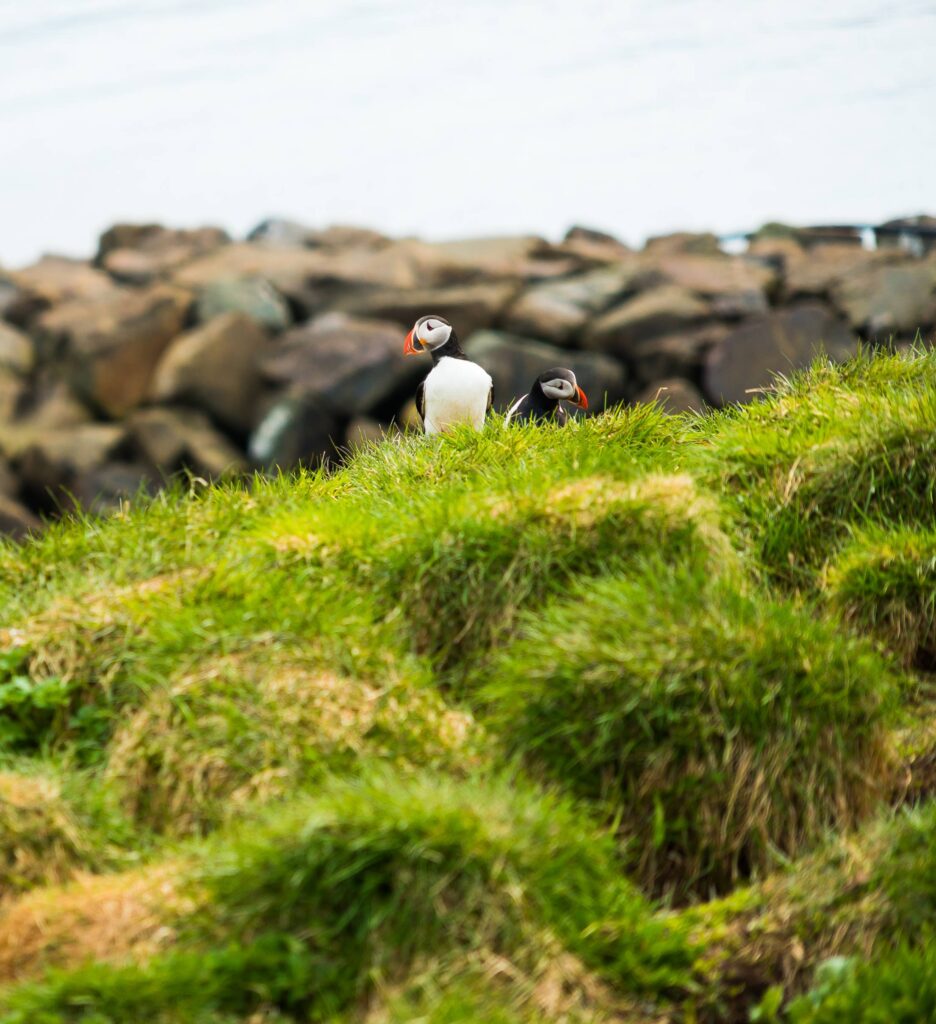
column 455, row 391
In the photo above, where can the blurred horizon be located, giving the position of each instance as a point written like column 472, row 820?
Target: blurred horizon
column 636, row 118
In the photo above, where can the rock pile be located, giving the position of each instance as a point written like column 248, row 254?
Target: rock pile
column 179, row 350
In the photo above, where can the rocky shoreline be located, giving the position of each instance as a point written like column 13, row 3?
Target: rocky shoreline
column 186, row 350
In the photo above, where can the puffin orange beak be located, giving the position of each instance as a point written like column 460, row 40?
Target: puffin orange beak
column 582, row 402
column 409, row 346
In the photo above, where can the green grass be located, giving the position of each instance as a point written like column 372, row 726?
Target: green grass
column 429, row 737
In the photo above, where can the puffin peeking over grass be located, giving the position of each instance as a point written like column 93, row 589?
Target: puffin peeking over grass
column 543, row 403
column 455, row 390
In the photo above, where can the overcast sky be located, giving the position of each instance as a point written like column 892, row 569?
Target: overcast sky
column 451, row 119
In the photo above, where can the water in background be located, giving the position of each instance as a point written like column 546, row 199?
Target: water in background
column 448, row 119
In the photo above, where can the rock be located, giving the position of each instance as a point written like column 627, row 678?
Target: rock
column 342, row 364
column 296, row 429
column 51, row 281
column 13, row 392
column 16, row 350
column 141, row 254
column 281, row 231
column 363, row 430
column 474, row 259
column 883, row 299
column 832, row 234
column 592, row 248
column 16, row 520
column 515, row 362
column 674, row 394
column 52, row 405
column 9, row 485
column 912, row 234
column 737, row 286
column 171, row 439
column 56, row 460
column 250, row 295
column 578, row 233
column 469, row 307
column 215, row 367
column 113, row 485
column 704, row 243
column 111, row 345
column 816, row 273
column 664, row 310
column 674, row 355
column 782, row 341
column 557, row 310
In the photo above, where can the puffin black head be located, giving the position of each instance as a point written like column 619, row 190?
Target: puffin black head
column 428, row 333
column 559, row 384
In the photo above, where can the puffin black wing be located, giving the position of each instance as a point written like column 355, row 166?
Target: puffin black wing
column 421, row 401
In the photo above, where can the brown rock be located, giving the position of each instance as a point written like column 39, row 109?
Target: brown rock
column 515, row 362
column 13, row 392
column 56, row 460
column 704, row 243
column 9, row 485
column 674, row 355
column 112, row 345
column 817, row 272
column 16, row 520
column 476, row 259
column 673, row 394
column 16, row 350
column 141, row 254
column 719, row 277
column 665, row 310
column 469, row 307
column 785, row 340
column 53, row 280
column 215, row 367
column 556, row 310
column 343, row 364
column 363, row 430
column 882, row 299
column 171, row 439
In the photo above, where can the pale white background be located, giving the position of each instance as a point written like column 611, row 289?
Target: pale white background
column 447, row 119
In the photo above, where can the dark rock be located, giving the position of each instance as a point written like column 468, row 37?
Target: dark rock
column 16, row 520
column 346, row 365
column 828, row 234
column 817, row 272
column 215, row 367
column 557, row 310
column 296, row 429
column 674, row 394
column 363, row 430
column 113, row 485
column 674, row 355
column 13, row 391
column 250, row 295
column 9, row 485
column 578, row 233
column 916, row 235
column 784, row 340
column 16, row 350
column 515, row 362
column 665, row 310
column 144, row 253
column 55, row 461
column 883, row 299
column 171, row 439
column 469, row 307
column 111, row 345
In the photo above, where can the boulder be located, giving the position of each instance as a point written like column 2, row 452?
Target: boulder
column 817, row 272
column 515, row 362
column 142, row 254
column 915, row 234
column 9, row 485
column 478, row 259
column 883, row 299
column 16, row 520
column 704, row 243
column 469, row 307
column 171, row 439
column 296, row 429
column 343, row 364
column 665, row 310
column 746, row 359
column 16, row 350
column 215, row 367
column 828, row 234
column 13, row 391
column 282, row 231
column 592, row 248
column 557, row 310
column 51, row 281
column 111, row 345
column 680, row 354
column 364, row 430
column 55, row 461
column 250, row 295
column 735, row 285
column 113, row 485
column 673, row 394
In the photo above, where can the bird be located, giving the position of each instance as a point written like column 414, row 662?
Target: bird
column 455, row 390
column 542, row 403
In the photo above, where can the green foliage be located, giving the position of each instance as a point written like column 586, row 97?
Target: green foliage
column 885, row 580
column 897, row 988
column 714, row 724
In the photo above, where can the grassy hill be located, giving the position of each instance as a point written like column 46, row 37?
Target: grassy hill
column 628, row 721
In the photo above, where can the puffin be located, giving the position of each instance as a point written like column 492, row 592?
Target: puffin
column 455, row 390
column 542, row 403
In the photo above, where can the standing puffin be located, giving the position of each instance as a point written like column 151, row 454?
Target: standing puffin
column 542, row 403
column 455, row 390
